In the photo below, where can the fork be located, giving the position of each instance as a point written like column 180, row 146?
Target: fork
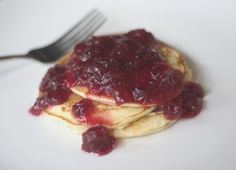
column 80, row 32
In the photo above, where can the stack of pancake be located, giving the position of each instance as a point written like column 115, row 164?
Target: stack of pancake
column 125, row 120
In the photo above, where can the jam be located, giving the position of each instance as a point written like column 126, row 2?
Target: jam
column 54, row 88
column 98, row 140
column 187, row 105
column 192, row 95
column 85, row 110
column 127, row 68
column 40, row 105
column 173, row 110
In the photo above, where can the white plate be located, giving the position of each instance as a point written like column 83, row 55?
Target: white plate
column 203, row 30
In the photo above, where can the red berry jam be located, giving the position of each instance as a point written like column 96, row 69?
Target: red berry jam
column 192, row 106
column 192, row 95
column 127, row 68
column 40, row 105
column 173, row 110
column 194, row 89
column 85, row 111
column 187, row 105
column 54, row 88
column 98, row 140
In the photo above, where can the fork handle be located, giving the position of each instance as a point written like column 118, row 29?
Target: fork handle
column 13, row 57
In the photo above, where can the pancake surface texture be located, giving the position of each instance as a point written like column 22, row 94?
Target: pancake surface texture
column 113, row 117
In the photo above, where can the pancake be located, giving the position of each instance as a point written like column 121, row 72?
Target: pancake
column 114, row 117
column 171, row 55
column 149, row 124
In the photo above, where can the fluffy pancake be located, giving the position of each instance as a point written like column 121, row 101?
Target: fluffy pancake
column 172, row 56
column 115, row 116
column 150, row 123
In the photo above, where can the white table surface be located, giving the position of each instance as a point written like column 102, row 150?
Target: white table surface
column 204, row 30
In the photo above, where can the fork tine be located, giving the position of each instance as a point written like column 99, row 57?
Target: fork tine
column 86, row 32
column 81, row 29
column 77, row 26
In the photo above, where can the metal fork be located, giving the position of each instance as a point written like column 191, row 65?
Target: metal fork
column 80, row 32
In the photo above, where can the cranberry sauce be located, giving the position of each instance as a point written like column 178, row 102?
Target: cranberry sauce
column 187, row 105
column 53, row 88
column 98, row 140
column 127, row 68
column 85, row 111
